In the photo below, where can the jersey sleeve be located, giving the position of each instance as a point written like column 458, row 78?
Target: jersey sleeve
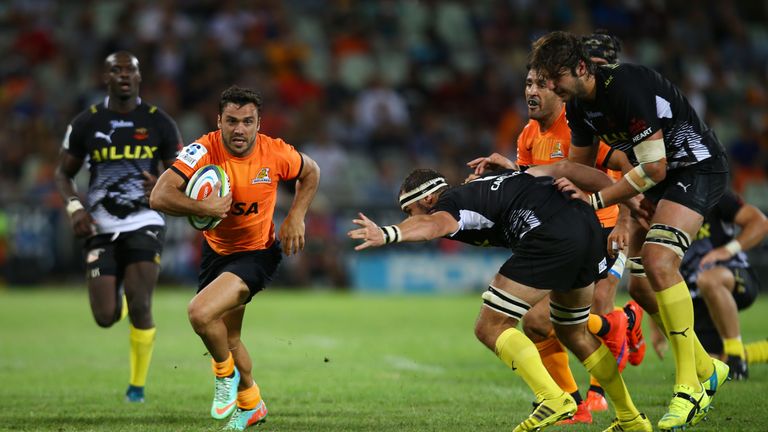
column 288, row 161
column 447, row 203
column 581, row 135
column 170, row 142
column 74, row 139
column 634, row 104
column 604, row 152
column 191, row 158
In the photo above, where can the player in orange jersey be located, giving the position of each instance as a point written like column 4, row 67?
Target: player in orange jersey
column 242, row 253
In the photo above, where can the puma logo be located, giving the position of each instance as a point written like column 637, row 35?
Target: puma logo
column 105, row 136
column 671, row 332
column 685, row 187
column 151, row 234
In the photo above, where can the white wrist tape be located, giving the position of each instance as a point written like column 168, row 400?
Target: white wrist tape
column 392, row 234
column 74, row 205
column 596, row 201
column 638, row 179
column 733, row 247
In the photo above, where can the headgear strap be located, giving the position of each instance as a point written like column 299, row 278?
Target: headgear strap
column 431, row 186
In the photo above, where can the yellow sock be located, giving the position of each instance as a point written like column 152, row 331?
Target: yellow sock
column 593, row 382
column 602, row 365
column 734, row 347
column 555, row 360
column 248, row 399
column 225, row 368
column 595, row 323
column 142, row 343
column 519, row 353
column 676, row 310
column 757, row 352
column 704, row 365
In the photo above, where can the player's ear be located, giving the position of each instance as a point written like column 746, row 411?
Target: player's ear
column 258, row 124
column 218, row 121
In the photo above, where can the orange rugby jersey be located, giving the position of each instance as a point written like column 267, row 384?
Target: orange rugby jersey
column 543, row 148
column 253, row 179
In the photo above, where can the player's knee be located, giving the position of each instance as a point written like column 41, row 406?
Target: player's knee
column 197, row 316
column 105, row 318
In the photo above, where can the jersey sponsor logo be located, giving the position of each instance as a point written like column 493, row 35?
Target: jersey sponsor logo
column 262, row 177
column 614, row 137
column 125, row 152
column 593, row 114
column 641, row 136
column 244, row 209
column 192, row 153
column 608, row 81
column 141, row 134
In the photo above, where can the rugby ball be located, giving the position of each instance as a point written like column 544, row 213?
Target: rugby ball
column 200, row 186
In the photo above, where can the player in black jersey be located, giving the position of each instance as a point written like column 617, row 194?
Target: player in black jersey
column 557, row 249
column 123, row 140
column 679, row 164
column 720, row 279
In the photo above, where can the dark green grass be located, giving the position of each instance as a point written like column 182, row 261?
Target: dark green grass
column 324, row 363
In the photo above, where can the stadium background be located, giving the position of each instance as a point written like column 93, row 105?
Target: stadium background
column 369, row 89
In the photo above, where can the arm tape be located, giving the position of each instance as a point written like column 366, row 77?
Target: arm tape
column 73, row 205
column 638, row 179
column 650, row 151
column 733, row 247
column 392, row 234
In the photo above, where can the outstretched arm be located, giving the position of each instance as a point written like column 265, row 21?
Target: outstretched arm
column 414, row 229
column 586, row 178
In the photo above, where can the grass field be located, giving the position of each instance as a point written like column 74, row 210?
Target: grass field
column 325, row 362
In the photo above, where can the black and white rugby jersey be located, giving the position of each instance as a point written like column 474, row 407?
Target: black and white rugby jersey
column 718, row 229
column 632, row 102
column 500, row 208
column 117, row 147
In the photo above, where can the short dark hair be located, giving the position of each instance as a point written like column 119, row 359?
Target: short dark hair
column 557, row 50
column 417, row 178
column 239, row 96
column 603, row 45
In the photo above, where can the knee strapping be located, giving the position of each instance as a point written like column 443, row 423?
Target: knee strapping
column 505, row 303
column 562, row 315
column 635, row 266
column 670, row 237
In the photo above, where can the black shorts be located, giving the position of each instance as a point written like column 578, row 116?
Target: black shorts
column 744, row 293
column 565, row 252
column 108, row 254
column 698, row 187
column 609, row 262
column 256, row 268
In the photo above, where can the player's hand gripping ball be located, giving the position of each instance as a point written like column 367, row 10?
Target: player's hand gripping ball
column 200, row 186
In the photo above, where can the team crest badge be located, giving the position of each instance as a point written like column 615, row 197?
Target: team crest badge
column 262, row 177
column 141, row 134
column 557, row 152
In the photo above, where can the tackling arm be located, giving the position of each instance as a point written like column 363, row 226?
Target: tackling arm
column 414, row 229
column 584, row 177
column 651, row 170
column 754, row 227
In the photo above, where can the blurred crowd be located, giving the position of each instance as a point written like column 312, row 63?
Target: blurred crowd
column 369, row 89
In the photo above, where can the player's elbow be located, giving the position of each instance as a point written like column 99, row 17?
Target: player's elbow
column 656, row 171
